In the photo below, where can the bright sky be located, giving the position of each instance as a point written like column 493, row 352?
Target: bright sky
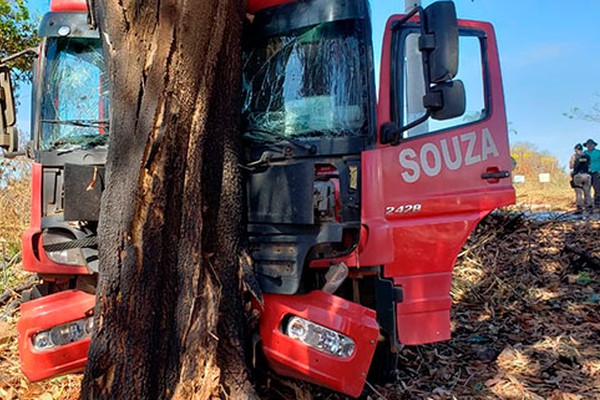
column 550, row 56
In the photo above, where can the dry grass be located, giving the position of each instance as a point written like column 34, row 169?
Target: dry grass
column 15, row 200
column 553, row 196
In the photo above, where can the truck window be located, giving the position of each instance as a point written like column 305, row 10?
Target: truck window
column 75, row 95
column 309, row 83
column 470, row 71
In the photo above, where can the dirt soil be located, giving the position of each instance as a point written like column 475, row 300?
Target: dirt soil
column 526, row 322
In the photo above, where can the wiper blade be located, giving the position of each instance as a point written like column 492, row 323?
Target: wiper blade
column 84, row 123
column 68, row 144
column 279, row 141
column 283, row 138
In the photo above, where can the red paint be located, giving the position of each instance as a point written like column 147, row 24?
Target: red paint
column 418, row 250
column 426, row 304
column 290, row 357
column 68, row 5
column 34, row 256
column 42, row 314
column 254, row 6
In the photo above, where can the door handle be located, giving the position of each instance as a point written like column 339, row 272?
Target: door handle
column 495, row 175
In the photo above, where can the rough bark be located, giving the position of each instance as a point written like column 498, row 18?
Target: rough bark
column 170, row 217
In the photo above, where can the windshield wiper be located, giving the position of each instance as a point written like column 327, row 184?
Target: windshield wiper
column 275, row 139
column 84, row 123
column 283, row 138
column 68, row 144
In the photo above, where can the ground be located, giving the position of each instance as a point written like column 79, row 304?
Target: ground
column 526, row 317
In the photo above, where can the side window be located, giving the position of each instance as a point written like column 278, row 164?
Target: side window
column 470, row 72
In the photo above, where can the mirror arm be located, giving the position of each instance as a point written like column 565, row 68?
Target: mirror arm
column 391, row 133
column 408, row 16
column 31, row 50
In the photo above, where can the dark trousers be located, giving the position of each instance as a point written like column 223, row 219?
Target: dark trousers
column 596, row 186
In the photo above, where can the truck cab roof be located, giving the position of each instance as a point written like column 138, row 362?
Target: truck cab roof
column 68, row 5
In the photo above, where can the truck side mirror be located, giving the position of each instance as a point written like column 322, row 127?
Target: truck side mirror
column 8, row 133
column 445, row 98
column 439, row 41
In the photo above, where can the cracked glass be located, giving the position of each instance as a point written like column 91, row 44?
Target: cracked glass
column 305, row 84
column 75, row 95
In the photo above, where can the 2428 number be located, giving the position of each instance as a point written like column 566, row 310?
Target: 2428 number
column 403, row 209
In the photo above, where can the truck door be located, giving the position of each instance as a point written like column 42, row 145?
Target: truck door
column 423, row 196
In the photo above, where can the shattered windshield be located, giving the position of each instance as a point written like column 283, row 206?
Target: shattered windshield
column 309, row 83
column 75, row 95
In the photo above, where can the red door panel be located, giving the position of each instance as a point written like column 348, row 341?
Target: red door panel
column 422, row 199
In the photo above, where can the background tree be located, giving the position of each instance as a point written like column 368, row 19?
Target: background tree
column 591, row 115
column 531, row 161
column 17, row 32
column 170, row 220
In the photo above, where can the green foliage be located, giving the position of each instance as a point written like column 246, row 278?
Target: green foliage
column 17, row 32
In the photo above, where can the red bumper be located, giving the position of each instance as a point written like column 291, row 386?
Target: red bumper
column 42, row 314
column 290, row 357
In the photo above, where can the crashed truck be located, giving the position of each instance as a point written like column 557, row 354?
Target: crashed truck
column 357, row 204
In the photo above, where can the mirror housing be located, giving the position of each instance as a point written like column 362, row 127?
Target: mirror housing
column 439, row 41
column 8, row 132
column 446, row 100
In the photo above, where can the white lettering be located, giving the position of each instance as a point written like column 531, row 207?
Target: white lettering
column 410, row 164
column 431, row 170
column 452, row 165
column 471, row 138
column 433, row 156
column 487, row 145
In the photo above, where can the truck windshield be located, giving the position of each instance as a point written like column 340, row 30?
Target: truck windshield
column 75, row 95
column 310, row 83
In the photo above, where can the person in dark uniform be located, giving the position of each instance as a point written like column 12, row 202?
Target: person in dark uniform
column 581, row 179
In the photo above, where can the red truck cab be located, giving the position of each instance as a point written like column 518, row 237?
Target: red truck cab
column 70, row 112
column 357, row 204
column 388, row 189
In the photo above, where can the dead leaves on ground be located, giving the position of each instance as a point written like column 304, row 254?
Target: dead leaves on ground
column 526, row 318
column 526, row 323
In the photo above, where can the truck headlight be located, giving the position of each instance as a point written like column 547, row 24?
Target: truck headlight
column 63, row 334
column 320, row 338
column 66, row 257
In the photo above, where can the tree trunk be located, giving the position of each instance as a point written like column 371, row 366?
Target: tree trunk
column 170, row 221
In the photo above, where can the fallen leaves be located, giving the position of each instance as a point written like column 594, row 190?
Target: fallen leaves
column 526, row 323
column 526, row 319
column 13, row 385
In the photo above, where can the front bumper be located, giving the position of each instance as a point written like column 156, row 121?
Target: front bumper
column 290, row 357
column 42, row 314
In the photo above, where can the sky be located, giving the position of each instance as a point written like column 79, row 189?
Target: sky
column 550, row 57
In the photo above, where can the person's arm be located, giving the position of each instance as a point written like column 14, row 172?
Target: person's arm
column 572, row 162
